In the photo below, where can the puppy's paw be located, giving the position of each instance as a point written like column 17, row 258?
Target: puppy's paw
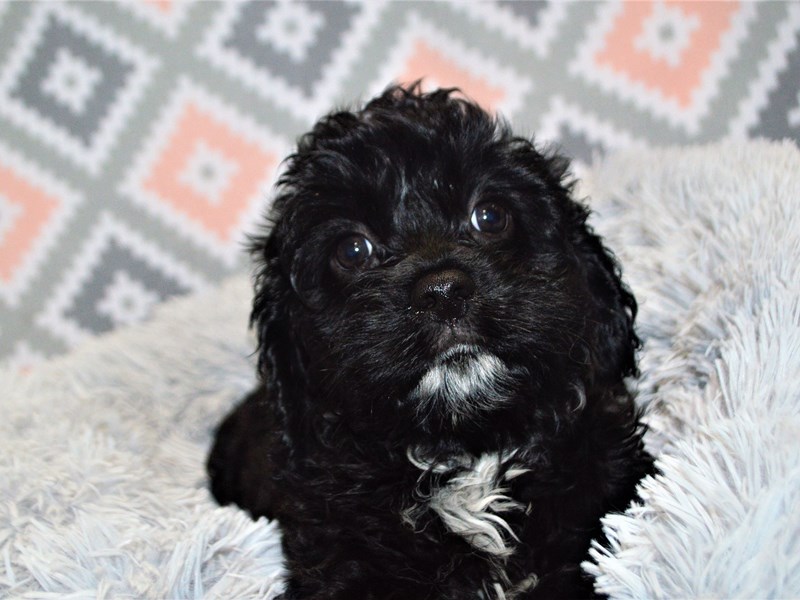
column 236, row 464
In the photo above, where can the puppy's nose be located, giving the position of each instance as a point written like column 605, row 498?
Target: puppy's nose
column 443, row 294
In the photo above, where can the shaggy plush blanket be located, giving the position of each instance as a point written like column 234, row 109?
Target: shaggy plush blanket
column 102, row 487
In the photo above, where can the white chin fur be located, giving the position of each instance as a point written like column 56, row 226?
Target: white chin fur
column 475, row 382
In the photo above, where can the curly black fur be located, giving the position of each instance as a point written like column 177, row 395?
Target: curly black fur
column 327, row 443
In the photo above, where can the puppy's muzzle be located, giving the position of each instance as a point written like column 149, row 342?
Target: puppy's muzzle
column 444, row 294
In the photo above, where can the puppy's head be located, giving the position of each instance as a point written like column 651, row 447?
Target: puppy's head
column 424, row 268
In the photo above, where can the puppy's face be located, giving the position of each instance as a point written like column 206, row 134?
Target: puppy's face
column 425, row 265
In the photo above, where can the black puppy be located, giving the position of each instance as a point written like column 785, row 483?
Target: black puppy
column 443, row 344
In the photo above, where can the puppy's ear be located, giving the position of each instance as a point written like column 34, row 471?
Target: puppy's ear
column 280, row 362
column 612, row 309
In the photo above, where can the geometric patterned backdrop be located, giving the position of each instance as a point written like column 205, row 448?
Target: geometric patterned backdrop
column 139, row 140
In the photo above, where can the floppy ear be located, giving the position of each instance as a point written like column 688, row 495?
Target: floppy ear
column 280, row 362
column 612, row 310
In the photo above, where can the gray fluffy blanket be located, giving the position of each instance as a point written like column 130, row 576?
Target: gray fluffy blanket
column 102, row 488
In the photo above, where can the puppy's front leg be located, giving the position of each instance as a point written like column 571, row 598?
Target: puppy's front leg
column 247, row 451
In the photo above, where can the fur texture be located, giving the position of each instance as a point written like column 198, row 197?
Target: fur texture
column 710, row 238
column 444, row 343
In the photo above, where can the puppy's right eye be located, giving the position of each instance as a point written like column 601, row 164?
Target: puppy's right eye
column 353, row 252
column 490, row 217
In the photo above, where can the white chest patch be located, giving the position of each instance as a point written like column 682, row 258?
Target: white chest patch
column 473, row 503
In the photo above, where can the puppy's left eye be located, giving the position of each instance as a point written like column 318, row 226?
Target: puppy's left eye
column 490, row 217
column 353, row 252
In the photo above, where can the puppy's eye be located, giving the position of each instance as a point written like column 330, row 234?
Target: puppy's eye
column 353, row 252
column 490, row 217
